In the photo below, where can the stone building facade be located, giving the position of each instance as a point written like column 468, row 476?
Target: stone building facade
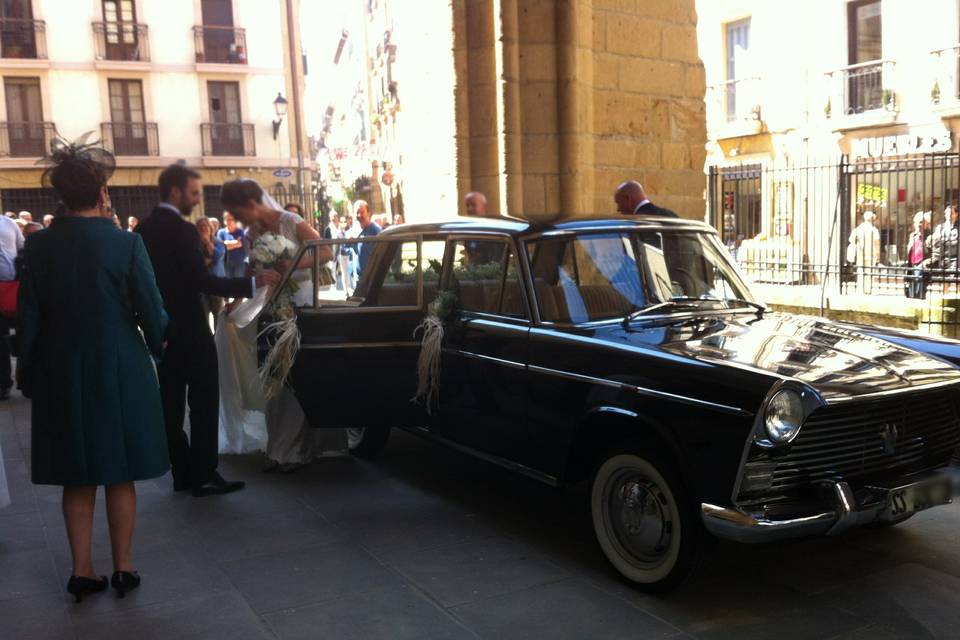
column 558, row 101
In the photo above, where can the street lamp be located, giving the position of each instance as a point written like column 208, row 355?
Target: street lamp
column 280, row 106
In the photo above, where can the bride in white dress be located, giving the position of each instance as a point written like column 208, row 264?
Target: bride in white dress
column 290, row 441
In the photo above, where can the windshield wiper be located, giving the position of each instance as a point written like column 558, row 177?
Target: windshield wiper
column 761, row 309
column 680, row 302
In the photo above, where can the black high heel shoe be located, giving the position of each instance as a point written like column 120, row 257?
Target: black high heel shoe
column 124, row 581
column 78, row 586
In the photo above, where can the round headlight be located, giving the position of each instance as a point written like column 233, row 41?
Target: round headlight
column 784, row 416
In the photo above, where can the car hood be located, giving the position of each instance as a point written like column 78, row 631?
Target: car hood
column 836, row 360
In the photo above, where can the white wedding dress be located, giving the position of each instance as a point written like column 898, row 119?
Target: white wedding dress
column 249, row 422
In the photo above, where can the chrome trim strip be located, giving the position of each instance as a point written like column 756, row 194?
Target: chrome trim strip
column 890, row 392
column 359, row 345
column 321, row 310
column 640, row 390
column 480, row 356
column 497, row 460
column 614, row 410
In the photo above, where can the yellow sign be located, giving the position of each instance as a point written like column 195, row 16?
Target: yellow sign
column 871, row 193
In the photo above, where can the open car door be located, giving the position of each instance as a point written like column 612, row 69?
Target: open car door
column 357, row 361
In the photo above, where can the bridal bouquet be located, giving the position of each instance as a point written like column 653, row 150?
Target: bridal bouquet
column 267, row 252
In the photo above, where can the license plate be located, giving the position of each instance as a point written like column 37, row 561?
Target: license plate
column 902, row 501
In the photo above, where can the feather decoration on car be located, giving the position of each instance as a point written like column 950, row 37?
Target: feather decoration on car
column 431, row 344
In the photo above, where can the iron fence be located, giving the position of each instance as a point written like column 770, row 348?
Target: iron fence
column 21, row 38
column 228, row 139
column 28, row 139
column 220, row 44
column 865, row 227
column 121, row 41
column 131, row 138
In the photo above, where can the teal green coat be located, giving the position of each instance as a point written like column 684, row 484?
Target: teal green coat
column 86, row 291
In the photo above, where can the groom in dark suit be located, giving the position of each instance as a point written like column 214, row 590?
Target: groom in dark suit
column 631, row 200
column 188, row 370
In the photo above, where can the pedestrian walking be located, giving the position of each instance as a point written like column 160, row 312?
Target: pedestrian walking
column 90, row 314
column 863, row 251
column 632, row 200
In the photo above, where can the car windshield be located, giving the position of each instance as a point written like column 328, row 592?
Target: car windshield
column 600, row 276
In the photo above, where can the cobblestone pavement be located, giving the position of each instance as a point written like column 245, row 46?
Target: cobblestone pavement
column 427, row 543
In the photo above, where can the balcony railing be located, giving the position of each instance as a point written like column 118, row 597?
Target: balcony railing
column 23, row 38
column 26, row 139
column 121, row 41
column 130, row 138
column 946, row 86
column 863, row 87
column 220, row 45
column 228, row 139
column 736, row 101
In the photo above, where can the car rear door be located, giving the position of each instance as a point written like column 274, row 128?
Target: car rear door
column 357, row 361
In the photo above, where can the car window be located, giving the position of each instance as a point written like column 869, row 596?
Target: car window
column 687, row 265
column 586, row 278
column 485, row 277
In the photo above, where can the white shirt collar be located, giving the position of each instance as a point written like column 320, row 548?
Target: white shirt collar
column 642, row 202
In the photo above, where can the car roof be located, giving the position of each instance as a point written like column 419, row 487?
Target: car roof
column 522, row 228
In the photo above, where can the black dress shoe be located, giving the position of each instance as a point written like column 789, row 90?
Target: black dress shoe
column 216, row 485
column 78, row 586
column 124, row 581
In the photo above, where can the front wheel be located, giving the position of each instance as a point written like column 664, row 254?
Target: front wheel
column 643, row 521
column 367, row 442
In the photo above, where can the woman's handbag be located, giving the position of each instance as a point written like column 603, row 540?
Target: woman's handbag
column 8, row 298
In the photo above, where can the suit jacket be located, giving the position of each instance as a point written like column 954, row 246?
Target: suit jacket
column 651, row 209
column 182, row 275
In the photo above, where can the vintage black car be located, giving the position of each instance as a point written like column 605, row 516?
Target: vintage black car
column 630, row 352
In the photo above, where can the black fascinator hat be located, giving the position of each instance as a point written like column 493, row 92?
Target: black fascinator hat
column 77, row 170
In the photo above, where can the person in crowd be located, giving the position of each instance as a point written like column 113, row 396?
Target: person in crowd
column 25, row 217
column 214, row 224
column 231, row 235
column 369, row 228
column 946, row 243
column 291, row 443
column 918, row 256
column 11, row 243
column 475, row 204
column 189, row 367
column 47, row 220
column 9, row 214
column 631, row 200
column 116, row 221
column 346, row 258
column 214, row 253
column 863, row 251
column 398, row 218
column 90, row 315
column 293, row 207
column 31, row 228
column 132, row 222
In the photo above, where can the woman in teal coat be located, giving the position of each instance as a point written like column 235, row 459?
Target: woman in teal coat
column 87, row 291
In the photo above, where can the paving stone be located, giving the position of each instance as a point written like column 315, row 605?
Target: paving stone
column 21, row 531
column 220, row 616
column 26, row 574
column 911, row 601
column 36, row 617
column 307, row 575
column 397, row 613
column 567, row 609
column 233, row 539
column 472, row 571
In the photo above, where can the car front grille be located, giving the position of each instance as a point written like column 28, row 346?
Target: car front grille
column 901, row 433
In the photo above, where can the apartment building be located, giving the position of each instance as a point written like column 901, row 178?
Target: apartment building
column 208, row 82
column 820, row 111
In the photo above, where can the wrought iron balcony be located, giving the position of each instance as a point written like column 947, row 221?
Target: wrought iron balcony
column 863, row 87
column 946, row 85
column 122, row 41
column 228, row 139
column 736, row 101
column 220, row 45
column 23, row 38
column 130, row 138
column 26, row 139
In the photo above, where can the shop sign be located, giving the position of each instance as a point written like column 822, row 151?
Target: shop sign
column 871, row 193
column 927, row 141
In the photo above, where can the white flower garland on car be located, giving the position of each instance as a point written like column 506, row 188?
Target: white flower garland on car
column 267, row 252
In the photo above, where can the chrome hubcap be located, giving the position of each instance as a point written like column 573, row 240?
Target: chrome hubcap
column 639, row 516
column 354, row 436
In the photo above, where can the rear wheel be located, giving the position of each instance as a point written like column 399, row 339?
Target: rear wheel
column 645, row 524
column 367, row 442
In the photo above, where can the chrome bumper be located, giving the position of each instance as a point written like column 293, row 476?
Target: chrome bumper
column 845, row 513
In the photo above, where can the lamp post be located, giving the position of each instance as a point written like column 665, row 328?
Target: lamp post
column 280, row 107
